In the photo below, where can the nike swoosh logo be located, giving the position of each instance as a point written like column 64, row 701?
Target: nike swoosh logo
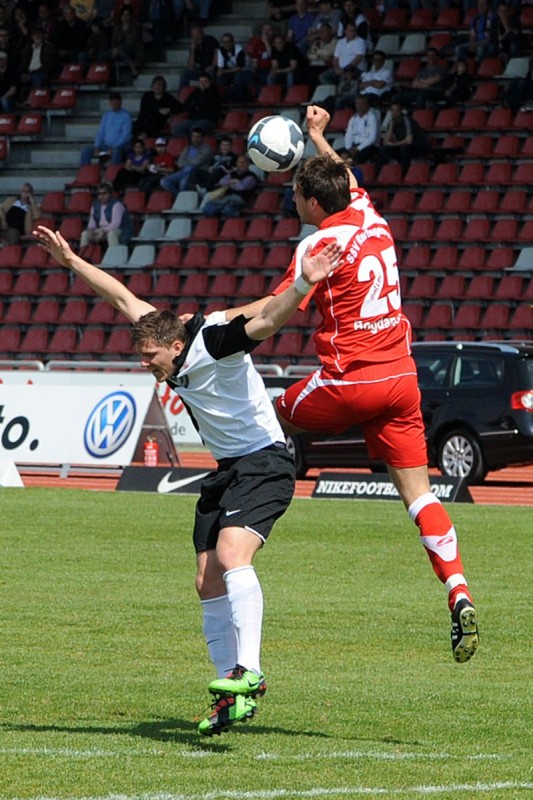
column 167, row 485
column 231, row 513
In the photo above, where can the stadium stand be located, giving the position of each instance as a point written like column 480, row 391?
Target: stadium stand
column 463, row 219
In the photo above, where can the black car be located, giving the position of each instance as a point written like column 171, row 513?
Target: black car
column 477, row 403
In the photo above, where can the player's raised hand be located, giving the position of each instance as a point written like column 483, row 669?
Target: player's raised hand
column 53, row 242
column 317, row 120
column 318, row 266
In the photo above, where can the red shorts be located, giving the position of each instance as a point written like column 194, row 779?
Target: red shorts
column 383, row 399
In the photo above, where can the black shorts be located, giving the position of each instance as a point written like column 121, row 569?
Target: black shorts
column 249, row 492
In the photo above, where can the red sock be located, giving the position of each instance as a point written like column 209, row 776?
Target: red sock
column 440, row 541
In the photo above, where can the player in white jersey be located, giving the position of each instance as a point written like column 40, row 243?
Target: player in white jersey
column 208, row 362
column 368, row 376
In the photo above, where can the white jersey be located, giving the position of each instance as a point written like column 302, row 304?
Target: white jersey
column 223, row 392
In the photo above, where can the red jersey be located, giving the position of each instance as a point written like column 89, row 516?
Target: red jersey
column 360, row 303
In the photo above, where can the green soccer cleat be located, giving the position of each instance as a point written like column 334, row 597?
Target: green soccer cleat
column 239, row 681
column 226, row 712
column 465, row 634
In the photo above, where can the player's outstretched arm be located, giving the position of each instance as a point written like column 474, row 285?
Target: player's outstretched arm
column 317, row 121
column 103, row 284
column 278, row 309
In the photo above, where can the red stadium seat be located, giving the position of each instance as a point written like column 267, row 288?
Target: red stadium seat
column 417, row 257
column 452, row 288
column 206, row 230
column 251, row 257
column 196, row 257
column 510, row 287
column 8, row 124
column 232, row 230
column 29, row 124
column 431, row 201
column 458, row 201
column 259, row 230
column 486, row 201
column 70, row 73
column 167, row 285
column 46, row 311
column 439, row 316
column 224, row 257
column 278, row 257
column 472, row 258
column 422, row 286
column 480, row 288
column 18, row 311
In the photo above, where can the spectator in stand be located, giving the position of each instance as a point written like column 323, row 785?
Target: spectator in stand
column 47, row 22
column 72, row 35
column 481, row 37
column 8, row 84
column 18, row 215
column 286, row 59
column 202, row 108
column 202, row 56
column 259, row 52
column 351, row 12
column 135, row 168
column 460, row 84
column 126, row 43
column 109, row 222
column 350, row 52
column 224, row 161
column 103, row 9
column 518, row 95
column 300, row 23
column 320, row 53
column 231, row 60
column 196, row 8
column 402, row 139
column 161, row 166
column 195, row 157
column 377, row 81
column 429, row 84
column 113, row 135
column 327, row 13
column 38, row 62
column 98, row 43
column 233, row 192
column 135, row 6
column 362, row 134
column 7, row 47
column 280, row 12
column 19, row 31
column 508, row 32
column 156, row 108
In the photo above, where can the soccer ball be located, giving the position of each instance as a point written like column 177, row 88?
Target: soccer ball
column 275, row 144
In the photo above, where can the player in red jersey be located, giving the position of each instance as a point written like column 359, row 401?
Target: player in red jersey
column 368, row 376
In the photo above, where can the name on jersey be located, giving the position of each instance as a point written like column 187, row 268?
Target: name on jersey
column 378, row 325
column 363, row 236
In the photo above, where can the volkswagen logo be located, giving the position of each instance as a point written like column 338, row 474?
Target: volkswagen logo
column 109, row 424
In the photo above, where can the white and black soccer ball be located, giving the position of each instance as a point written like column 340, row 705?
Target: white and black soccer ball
column 275, row 144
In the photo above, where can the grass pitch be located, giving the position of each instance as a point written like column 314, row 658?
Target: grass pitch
column 104, row 668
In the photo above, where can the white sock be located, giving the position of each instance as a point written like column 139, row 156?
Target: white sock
column 246, row 600
column 220, row 634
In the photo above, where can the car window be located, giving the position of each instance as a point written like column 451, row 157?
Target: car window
column 477, row 370
column 432, row 369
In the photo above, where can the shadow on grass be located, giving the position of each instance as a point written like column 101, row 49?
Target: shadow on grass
column 179, row 731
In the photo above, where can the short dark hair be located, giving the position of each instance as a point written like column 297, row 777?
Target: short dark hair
column 162, row 327
column 325, row 179
column 114, row 96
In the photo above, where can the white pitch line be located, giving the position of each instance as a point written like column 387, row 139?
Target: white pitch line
column 380, row 756
column 376, row 755
column 348, row 791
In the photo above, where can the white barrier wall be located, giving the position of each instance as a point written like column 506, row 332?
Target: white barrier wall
column 59, row 384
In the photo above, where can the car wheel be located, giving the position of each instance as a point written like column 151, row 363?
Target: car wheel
column 295, row 449
column 460, row 456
